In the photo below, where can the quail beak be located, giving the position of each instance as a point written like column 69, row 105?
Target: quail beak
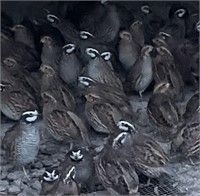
column 41, row 68
column 89, row 98
column 153, row 53
column 43, row 40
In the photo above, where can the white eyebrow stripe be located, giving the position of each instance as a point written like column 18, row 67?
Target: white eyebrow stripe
column 118, row 137
column 94, row 50
column 35, row 112
column 86, row 32
column 72, row 45
column 82, row 78
column 125, row 122
column 51, row 15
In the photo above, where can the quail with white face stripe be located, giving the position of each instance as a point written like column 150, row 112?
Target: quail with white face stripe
column 50, row 181
column 146, row 155
column 82, row 160
column 113, row 167
column 99, row 70
column 21, row 141
column 69, row 67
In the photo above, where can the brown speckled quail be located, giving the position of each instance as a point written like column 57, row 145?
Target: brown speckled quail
column 82, row 159
column 165, row 70
column 164, row 113
column 187, row 139
column 15, row 100
column 101, row 114
column 145, row 153
column 55, row 86
column 117, row 97
column 140, row 76
column 114, row 170
column 64, row 125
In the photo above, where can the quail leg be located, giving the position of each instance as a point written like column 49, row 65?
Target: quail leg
column 25, row 173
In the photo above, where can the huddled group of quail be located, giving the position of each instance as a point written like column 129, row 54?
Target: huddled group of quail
column 77, row 79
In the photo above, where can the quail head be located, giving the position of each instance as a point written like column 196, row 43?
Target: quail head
column 52, row 84
column 114, row 171
column 139, row 76
column 64, row 125
column 51, row 52
column 128, row 50
column 101, row 114
column 99, row 70
column 21, row 142
column 163, row 112
column 50, row 181
column 69, row 67
column 23, row 34
column 137, row 33
column 15, row 100
column 146, row 154
column 82, row 160
column 117, row 97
